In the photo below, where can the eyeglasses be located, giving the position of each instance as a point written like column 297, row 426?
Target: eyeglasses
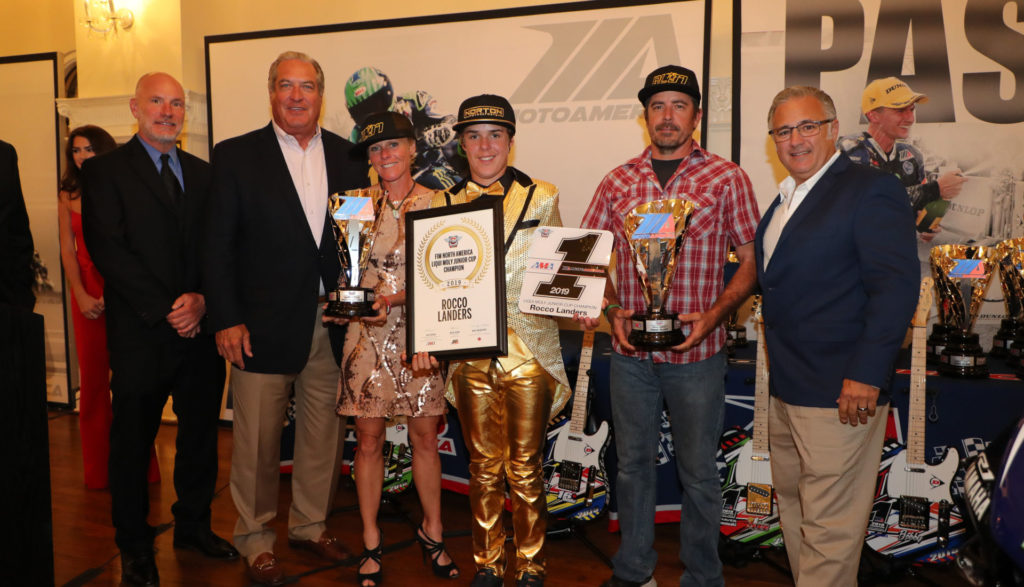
column 807, row 128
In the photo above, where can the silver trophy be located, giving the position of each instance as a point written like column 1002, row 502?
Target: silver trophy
column 655, row 231
column 356, row 220
column 962, row 274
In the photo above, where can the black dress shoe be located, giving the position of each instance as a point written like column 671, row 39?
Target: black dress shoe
column 208, row 543
column 139, row 570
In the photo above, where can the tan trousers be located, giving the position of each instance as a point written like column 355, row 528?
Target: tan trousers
column 259, row 403
column 504, row 419
column 824, row 473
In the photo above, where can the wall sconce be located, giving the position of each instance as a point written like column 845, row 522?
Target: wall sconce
column 102, row 16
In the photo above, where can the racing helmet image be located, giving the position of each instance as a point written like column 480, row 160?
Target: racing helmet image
column 368, row 91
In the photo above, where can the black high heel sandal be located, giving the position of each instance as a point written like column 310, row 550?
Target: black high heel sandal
column 432, row 550
column 372, row 579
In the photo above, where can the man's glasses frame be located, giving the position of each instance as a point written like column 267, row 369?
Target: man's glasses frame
column 807, row 128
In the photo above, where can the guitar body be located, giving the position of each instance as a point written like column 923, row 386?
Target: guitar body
column 575, row 474
column 737, row 523
column 885, row 534
column 752, row 467
column 397, row 459
column 931, row 482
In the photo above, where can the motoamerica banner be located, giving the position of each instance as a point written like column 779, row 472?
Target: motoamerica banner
column 572, row 75
column 967, row 56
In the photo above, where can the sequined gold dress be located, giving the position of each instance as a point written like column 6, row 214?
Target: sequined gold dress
column 374, row 382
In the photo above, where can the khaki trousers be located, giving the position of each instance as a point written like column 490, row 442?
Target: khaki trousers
column 504, row 419
column 259, row 404
column 824, row 473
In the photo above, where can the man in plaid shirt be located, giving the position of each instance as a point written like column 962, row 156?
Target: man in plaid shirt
column 690, row 378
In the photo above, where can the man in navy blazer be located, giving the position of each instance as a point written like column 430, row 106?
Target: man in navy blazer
column 838, row 271
column 143, row 231
column 271, row 255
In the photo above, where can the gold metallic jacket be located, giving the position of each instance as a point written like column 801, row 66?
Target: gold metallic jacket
column 539, row 334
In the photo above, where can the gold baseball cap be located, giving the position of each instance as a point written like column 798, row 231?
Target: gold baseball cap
column 889, row 92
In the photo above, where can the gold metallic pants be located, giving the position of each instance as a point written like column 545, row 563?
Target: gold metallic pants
column 504, row 419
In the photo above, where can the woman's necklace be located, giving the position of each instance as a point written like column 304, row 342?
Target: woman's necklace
column 395, row 208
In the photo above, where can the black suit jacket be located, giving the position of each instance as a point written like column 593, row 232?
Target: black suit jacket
column 146, row 248
column 16, row 249
column 263, row 267
column 841, row 286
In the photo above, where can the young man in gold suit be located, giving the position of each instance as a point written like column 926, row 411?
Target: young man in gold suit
column 504, row 403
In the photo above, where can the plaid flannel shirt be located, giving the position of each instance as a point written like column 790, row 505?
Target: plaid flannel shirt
column 727, row 214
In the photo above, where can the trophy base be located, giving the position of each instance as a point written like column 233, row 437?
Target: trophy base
column 350, row 302
column 963, row 357
column 937, row 341
column 737, row 337
column 655, row 332
column 1009, row 333
column 1013, row 355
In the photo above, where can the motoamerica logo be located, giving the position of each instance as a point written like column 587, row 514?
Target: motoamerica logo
column 599, row 62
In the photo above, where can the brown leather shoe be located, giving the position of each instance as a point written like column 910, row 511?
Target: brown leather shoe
column 266, row 570
column 326, row 547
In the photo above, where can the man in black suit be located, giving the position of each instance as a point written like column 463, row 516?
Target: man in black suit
column 142, row 208
column 837, row 265
column 15, row 238
column 271, row 256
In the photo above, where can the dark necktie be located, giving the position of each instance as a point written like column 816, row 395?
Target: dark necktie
column 170, row 182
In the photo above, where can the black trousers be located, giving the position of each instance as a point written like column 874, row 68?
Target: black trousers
column 143, row 376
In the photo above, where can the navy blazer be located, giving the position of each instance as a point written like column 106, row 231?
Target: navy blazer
column 841, row 286
column 146, row 247
column 263, row 267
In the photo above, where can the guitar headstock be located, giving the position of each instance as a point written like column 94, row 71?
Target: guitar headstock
column 924, row 303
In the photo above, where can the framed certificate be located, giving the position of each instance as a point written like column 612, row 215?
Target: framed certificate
column 455, row 281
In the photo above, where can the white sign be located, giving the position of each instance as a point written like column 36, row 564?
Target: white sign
column 566, row 271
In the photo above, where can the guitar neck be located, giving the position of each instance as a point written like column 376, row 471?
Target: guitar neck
column 918, row 375
column 915, row 415
column 761, row 393
column 578, row 419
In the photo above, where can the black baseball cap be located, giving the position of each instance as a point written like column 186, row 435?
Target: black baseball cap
column 670, row 78
column 382, row 126
column 486, row 109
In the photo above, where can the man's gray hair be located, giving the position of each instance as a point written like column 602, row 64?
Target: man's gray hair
column 297, row 55
column 802, row 92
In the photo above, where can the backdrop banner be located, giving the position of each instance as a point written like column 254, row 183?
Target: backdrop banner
column 572, row 75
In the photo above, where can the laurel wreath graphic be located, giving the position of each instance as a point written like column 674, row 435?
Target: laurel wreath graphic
column 422, row 268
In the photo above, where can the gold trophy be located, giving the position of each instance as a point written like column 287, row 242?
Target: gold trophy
column 655, row 232
column 962, row 274
column 1009, row 340
column 356, row 218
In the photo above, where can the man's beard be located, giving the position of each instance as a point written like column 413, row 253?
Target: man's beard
column 668, row 144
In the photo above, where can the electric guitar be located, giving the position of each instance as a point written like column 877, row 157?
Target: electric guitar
column 750, row 512
column 397, row 459
column 576, row 481
column 915, row 515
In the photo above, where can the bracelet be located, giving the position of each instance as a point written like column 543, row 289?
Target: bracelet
column 387, row 305
column 609, row 307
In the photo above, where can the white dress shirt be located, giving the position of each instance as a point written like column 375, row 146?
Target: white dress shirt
column 308, row 169
column 792, row 196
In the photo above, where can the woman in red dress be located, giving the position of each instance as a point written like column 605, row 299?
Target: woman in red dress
column 87, row 305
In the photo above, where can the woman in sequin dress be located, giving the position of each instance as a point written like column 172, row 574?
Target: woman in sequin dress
column 375, row 383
